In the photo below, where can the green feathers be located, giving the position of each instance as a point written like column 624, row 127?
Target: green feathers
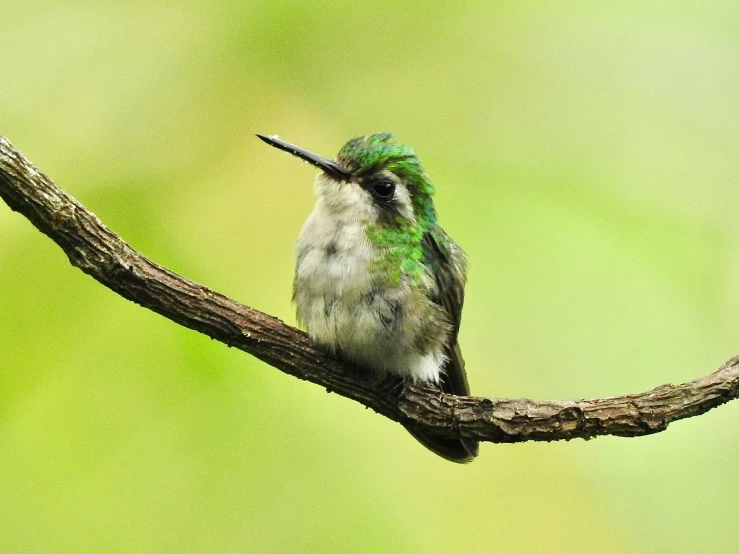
column 368, row 154
column 401, row 252
column 400, row 239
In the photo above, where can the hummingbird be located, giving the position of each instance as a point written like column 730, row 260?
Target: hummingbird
column 378, row 282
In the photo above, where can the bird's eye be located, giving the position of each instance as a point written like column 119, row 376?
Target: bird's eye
column 383, row 190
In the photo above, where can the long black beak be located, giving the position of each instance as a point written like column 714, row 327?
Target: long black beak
column 330, row 167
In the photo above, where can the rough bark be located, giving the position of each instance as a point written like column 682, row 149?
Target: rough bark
column 103, row 255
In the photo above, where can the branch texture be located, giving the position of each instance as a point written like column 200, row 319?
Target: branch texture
column 103, row 255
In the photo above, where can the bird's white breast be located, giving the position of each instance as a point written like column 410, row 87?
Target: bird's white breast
column 342, row 304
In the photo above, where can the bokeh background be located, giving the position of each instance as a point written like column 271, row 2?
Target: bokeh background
column 585, row 156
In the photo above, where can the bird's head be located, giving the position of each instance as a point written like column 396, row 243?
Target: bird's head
column 376, row 173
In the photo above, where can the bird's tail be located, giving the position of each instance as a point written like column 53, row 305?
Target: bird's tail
column 453, row 381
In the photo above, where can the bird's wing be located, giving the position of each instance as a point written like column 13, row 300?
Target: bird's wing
column 447, row 263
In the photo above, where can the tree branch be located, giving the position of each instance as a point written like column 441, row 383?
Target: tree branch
column 102, row 254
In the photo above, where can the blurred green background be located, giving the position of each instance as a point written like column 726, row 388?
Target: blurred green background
column 585, row 156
